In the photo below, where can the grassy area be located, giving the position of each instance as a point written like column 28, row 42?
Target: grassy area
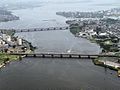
column 92, row 40
column 4, row 58
column 75, row 30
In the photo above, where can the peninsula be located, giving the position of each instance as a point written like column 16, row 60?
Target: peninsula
column 101, row 27
column 12, row 44
column 6, row 15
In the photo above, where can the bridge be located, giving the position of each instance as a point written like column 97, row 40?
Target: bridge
column 63, row 55
column 36, row 29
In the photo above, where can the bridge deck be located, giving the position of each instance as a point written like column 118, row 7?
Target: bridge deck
column 65, row 55
column 36, row 29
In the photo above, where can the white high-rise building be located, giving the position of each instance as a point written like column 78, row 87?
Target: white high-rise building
column 6, row 37
column 19, row 41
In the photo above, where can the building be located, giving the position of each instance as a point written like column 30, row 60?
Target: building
column 83, row 34
column 19, row 41
column 6, row 37
column 2, row 42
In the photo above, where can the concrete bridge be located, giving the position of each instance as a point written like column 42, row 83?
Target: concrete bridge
column 36, row 29
column 63, row 55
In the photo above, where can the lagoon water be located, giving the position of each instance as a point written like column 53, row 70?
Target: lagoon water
column 57, row 74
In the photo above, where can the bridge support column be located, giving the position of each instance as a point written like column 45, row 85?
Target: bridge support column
column 89, row 57
column 79, row 56
column 43, row 56
column 52, row 55
column 34, row 55
column 61, row 56
column 70, row 56
column 20, row 58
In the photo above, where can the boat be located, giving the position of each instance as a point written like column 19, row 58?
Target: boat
column 118, row 73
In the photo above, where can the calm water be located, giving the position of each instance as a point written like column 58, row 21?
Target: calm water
column 57, row 74
column 60, row 42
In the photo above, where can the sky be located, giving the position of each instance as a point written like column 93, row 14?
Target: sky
column 98, row 1
column 94, row 2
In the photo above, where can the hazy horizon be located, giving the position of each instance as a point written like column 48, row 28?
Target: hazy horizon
column 63, row 1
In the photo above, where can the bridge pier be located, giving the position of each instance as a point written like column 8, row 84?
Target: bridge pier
column 34, row 55
column 70, row 56
column 20, row 58
column 61, row 56
column 43, row 56
column 89, row 57
column 52, row 55
column 79, row 56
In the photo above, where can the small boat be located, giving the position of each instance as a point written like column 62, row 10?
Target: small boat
column 69, row 51
column 118, row 73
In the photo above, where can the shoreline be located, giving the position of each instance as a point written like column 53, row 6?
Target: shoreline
column 9, row 59
column 108, row 64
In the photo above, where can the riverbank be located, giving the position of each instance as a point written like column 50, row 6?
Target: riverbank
column 4, row 59
column 104, row 32
column 12, row 44
column 107, row 48
column 108, row 64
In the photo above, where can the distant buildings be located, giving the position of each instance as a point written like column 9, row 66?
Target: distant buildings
column 9, row 43
column 6, row 37
column 98, row 14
